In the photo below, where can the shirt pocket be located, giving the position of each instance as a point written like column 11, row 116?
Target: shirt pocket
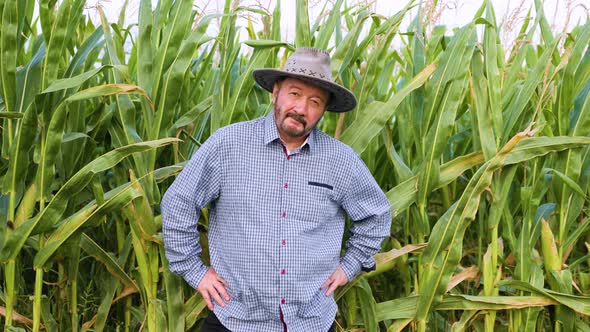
column 319, row 201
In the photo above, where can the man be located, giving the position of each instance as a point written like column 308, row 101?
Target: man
column 279, row 190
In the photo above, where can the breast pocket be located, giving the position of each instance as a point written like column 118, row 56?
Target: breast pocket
column 319, row 202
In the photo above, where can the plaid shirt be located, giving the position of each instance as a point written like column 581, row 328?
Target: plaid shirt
column 276, row 223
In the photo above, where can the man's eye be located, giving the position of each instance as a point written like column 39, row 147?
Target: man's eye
column 294, row 94
column 315, row 103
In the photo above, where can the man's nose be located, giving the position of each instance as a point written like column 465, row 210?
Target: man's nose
column 302, row 106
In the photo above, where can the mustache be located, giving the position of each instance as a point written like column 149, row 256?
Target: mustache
column 297, row 117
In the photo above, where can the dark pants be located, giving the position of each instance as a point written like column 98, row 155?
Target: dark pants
column 212, row 324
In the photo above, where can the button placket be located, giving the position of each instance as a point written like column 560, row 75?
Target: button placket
column 282, row 226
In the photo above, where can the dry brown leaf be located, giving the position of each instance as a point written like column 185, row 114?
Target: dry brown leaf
column 469, row 273
column 392, row 254
column 17, row 317
column 126, row 292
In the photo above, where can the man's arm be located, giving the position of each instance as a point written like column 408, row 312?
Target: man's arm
column 368, row 208
column 198, row 184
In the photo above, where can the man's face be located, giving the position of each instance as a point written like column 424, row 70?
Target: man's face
column 298, row 107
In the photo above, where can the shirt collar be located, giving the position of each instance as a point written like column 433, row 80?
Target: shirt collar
column 271, row 132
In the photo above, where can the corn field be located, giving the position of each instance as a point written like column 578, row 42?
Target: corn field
column 482, row 149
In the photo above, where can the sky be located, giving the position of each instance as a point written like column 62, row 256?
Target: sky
column 452, row 13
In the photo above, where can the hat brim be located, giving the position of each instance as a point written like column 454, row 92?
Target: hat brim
column 342, row 99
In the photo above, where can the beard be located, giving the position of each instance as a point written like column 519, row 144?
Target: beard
column 291, row 131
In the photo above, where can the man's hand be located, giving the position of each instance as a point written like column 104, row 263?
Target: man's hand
column 213, row 287
column 337, row 279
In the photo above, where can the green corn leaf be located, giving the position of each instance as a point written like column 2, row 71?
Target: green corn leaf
column 107, row 90
column 8, row 56
column 99, row 320
column 56, row 207
column 483, row 109
column 302, row 30
column 375, row 116
column 467, row 302
column 326, row 30
column 567, row 91
column 47, row 14
column 144, row 46
column 56, row 44
column 124, row 106
column 173, row 32
column 244, row 84
column 26, row 208
column 444, row 248
column 404, row 308
column 533, row 79
column 580, row 304
column 444, row 94
column 345, row 50
column 19, row 152
column 11, row 115
column 405, row 194
column 377, row 60
column 193, row 307
column 174, row 77
column 384, row 261
column 191, row 116
column 114, row 201
column 539, row 146
column 367, row 305
column 260, row 43
column 93, row 249
column 28, row 81
column 492, row 62
column 174, row 296
column 568, row 181
column 92, row 44
column 68, row 83
column 501, row 187
column 401, row 169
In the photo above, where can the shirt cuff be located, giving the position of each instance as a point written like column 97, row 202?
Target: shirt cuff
column 351, row 266
column 195, row 276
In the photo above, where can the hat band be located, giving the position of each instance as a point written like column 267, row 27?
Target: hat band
column 307, row 72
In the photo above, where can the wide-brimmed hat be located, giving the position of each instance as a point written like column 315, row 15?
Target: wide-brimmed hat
column 311, row 65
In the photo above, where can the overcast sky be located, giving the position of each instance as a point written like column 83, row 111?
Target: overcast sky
column 454, row 13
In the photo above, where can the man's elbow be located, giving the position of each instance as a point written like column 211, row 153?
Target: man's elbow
column 385, row 223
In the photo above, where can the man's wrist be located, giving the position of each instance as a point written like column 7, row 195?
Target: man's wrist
column 194, row 277
column 350, row 266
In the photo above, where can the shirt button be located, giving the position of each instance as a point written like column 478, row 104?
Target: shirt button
column 286, row 185
column 284, row 242
column 283, row 271
column 284, row 214
column 283, row 301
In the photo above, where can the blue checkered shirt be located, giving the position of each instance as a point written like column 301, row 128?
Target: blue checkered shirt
column 276, row 223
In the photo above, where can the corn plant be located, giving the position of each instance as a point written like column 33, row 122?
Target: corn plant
column 481, row 148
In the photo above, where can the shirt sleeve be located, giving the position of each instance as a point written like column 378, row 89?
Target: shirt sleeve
column 196, row 186
column 368, row 208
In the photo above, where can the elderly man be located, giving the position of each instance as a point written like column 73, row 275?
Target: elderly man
column 279, row 190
